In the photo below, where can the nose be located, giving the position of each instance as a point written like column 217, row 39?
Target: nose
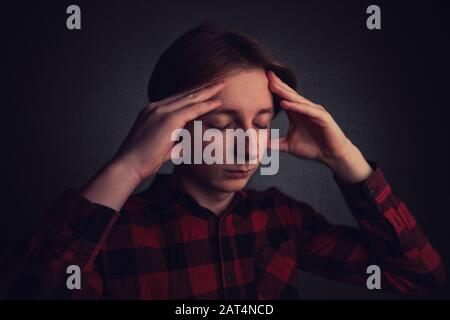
column 250, row 146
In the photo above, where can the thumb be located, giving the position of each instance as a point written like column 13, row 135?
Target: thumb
column 280, row 144
column 175, row 153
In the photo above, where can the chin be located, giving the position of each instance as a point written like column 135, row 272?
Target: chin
column 231, row 185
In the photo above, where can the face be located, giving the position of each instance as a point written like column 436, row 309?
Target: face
column 246, row 103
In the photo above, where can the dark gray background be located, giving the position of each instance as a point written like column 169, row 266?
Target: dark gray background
column 70, row 97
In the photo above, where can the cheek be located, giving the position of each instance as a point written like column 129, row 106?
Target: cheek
column 263, row 137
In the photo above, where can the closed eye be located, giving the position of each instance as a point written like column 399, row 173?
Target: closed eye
column 223, row 127
column 233, row 126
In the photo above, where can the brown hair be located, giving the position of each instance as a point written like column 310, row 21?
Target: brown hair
column 206, row 53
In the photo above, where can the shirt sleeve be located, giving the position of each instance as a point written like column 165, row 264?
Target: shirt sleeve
column 389, row 237
column 72, row 234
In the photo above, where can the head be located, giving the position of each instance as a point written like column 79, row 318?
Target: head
column 208, row 53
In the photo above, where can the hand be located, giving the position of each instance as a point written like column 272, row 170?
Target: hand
column 149, row 145
column 313, row 134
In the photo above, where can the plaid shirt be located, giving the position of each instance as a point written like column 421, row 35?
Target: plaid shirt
column 164, row 245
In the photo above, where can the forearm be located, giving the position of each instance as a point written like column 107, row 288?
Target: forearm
column 388, row 236
column 72, row 233
column 112, row 186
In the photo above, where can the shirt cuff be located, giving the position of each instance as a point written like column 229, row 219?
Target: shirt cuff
column 374, row 189
column 75, row 217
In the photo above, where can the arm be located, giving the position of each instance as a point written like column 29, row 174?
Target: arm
column 389, row 236
column 75, row 231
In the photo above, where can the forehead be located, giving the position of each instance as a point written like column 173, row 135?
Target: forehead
column 246, row 91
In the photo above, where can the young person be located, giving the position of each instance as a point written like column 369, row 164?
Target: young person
column 198, row 233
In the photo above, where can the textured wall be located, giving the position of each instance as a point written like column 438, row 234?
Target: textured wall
column 71, row 96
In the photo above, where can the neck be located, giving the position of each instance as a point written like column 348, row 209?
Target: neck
column 214, row 200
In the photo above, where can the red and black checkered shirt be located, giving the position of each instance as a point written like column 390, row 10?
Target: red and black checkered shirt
column 164, row 245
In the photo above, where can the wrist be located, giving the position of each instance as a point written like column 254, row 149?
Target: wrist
column 124, row 171
column 351, row 166
column 112, row 185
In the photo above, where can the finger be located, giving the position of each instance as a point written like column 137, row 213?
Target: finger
column 284, row 93
column 303, row 108
column 279, row 144
column 194, row 97
column 182, row 94
column 275, row 79
column 191, row 112
column 174, row 155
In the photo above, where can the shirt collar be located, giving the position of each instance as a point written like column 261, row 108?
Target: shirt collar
column 166, row 194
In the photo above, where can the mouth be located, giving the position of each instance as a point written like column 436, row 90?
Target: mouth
column 239, row 173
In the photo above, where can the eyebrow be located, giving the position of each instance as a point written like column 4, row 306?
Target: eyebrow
column 233, row 111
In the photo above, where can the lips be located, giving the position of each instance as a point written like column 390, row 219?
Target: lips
column 239, row 173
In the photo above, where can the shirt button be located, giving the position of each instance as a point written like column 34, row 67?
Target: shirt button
column 229, row 277
column 372, row 193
